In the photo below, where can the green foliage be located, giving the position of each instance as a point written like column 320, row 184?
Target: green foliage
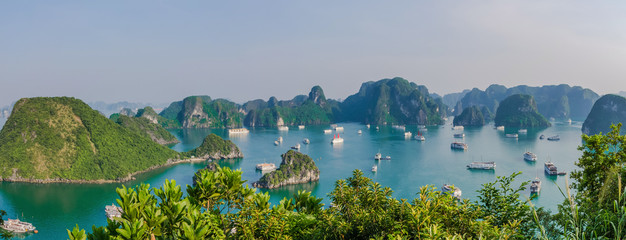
column 608, row 110
column 63, row 138
column 519, row 111
column 471, row 116
column 4, row 234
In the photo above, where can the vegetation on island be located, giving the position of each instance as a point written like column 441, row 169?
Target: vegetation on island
column 201, row 112
column 221, row 206
column 471, row 116
column 215, row 147
column 146, row 128
column 62, row 138
column 519, row 111
column 296, row 167
column 560, row 102
column 4, row 234
column 393, row 101
column 608, row 110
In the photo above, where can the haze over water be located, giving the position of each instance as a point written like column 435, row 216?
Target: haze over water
column 52, row 208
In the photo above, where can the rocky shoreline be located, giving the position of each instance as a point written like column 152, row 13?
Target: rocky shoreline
column 130, row 176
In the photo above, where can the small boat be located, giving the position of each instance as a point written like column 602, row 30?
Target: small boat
column 367, row 125
column 512, row 135
column 569, row 121
column 529, row 156
column 554, row 138
column 377, row 128
column 452, row 190
column 420, row 137
column 266, row 167
column 333, row 126
column 306, row 141
column 336, row 139
column 387, row 158
column 328, row 131
column 542, row 136
column 283, row 128
column 238, row 131
column 459, row 135
column 280, row 139
column 482, row 165
column 408, row 134
column 500, row 128
column 374, row 168
column 458, row 145
column 535, row 186
column 458, row 128
column 339, row 129
column 300, row 127
column 522, row 131
column 296, row 147
column 276, row 143
column 17, row 226
column 112, row 211
column 421, row 126
column 399, row 127
column 359, row 132
column 550, row 168
column 378, row 156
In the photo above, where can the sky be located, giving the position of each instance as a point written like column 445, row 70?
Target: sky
column 162, row 51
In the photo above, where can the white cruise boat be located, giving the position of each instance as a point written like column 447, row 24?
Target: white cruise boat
column 529, row 156
column 280, row 139
column 300, row 127
column 421, row 126
column 408, row 134
column 238, row 131
column 296, row 147
column 535, row 186
column 266, row 167
column 550, row 168
column 452, row 190
column 500, row 128
column 420, row 137
column 367, row 125
column 328, row 131
column 512, row 135
column 17, row 226
column 336, row 139
column 378, row 156
column 458, row 145
column 399, row 127
column 283, row 128
column 458, row 128
column 459, row 135
column 338, row 129
column 306, row 141
column 482, row 165
column 359, row 132
column 374, row 168
column 522, row 131
column 569, row 121
column 112, row 211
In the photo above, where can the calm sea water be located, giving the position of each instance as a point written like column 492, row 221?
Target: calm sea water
column 53, row 208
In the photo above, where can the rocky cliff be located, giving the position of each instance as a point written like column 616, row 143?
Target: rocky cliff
column 214, row 147
column 201, row 112
column 295, row 168
column 393, row 101
column 609, row 109
column 146, row 126
column 471, row 116
column 519, row 111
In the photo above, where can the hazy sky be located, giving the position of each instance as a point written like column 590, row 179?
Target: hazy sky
column 162, row 51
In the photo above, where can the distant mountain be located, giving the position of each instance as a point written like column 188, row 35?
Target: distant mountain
column 622, row 93
column 519, row 111
column 393, row 101
column 301, row 110
column 202, row 112
column 471, row 116
column 60, row 138
column 553, row 101
column 110, row 108
column 451, row 99
column 609, row 109
column 214, row 147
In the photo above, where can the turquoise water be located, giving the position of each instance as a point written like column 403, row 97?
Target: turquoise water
column 53, row 208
